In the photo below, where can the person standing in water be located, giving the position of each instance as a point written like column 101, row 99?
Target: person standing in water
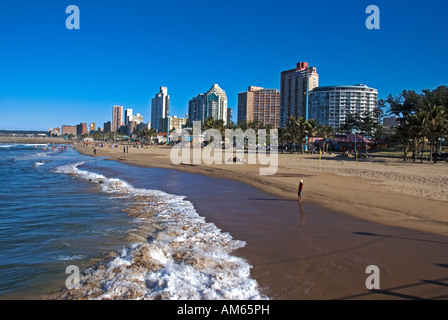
column 299, row 191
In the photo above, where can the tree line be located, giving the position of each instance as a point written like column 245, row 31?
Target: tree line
column 422, row 120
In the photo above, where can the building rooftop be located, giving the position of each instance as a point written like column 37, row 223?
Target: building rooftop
column 356, row 86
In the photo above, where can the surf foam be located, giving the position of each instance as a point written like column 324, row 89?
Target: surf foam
column 175, row 254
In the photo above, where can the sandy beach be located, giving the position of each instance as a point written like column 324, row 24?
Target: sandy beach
column 382, row 190
column 378, row 211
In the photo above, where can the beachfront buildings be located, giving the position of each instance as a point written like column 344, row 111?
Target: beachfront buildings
column 68, row 130
column 160, row 105
column 81, row 129
column 117, row 117
column 174, row 123
column 107, row 127
column 295, row 84
column 211, row 104
column 127, row 114
column 133, row 123
column 196, row 109
column 259, row 104
column 330, row 105
column 229, row 115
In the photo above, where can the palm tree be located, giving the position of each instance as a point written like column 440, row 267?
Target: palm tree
column 312, row 128
column 417, row 129
column 150, row 134
column 209, row 123
column 436, row 126
column 326, row 132
column 290, row 132
column 302, row 128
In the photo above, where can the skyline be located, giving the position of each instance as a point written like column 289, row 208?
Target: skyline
column 123, row 53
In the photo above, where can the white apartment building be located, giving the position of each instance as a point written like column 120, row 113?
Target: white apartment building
column 330, row 105
column 213, row 104
column 160, row 107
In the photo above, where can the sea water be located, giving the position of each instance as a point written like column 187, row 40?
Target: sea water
column 59, row 208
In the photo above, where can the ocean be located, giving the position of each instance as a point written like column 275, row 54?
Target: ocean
column 129, row 239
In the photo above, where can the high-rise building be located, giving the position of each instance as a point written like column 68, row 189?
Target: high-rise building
column 229, row 115
column 295, row 84
column 196, row 108
column 212, row 104
column 117, row 117
column 143, row 125
column 131, row 127
column 127, row 114
column 81, row 129
column 259, row 104
column 173, row 123
column 107, row 127
column 138, row 118
column 92, row 126
column 160, row 107
column 216, row 103
column 68, row 130
column 331, row 105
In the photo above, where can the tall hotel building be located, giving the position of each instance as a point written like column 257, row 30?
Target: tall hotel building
column 117, row 117
column 294, row 87
column 332, row 104
column 212, row 104
column 127, row 115
column 259, row 104
column 160, row 106
column 196, row 108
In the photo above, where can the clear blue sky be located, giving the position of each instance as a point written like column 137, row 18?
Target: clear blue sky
column 125, row 50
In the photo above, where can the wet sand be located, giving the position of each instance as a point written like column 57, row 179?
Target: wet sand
column 303, row 251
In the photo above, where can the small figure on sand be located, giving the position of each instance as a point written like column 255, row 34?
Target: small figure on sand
column 299, row 191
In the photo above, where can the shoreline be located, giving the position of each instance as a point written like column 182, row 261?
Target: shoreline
column 387, row 194
column 304, row 251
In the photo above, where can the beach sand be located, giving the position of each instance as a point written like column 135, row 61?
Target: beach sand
column 378, row 211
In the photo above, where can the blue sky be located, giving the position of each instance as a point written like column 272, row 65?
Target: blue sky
column 125, row 50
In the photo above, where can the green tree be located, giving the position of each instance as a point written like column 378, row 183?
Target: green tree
column 290, row 132
column 436, row 127
column 326, row 132
column 312, row 128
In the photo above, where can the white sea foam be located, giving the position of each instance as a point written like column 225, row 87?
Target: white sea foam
column 184, row 256
column 67, row 258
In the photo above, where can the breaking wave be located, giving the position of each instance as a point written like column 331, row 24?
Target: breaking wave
column 175, row 253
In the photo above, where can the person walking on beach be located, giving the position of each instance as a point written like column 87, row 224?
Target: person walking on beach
column 299, row 191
